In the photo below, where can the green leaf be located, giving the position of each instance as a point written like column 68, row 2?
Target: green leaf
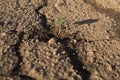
column 59, row 21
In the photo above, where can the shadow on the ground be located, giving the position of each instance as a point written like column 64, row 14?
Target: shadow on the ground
column 1, row 23
column 25, row 77
column 88, row 21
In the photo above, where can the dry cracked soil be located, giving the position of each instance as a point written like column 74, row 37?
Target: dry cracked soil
column 86, row 46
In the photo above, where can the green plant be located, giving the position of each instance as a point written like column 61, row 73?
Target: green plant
column 59, row 23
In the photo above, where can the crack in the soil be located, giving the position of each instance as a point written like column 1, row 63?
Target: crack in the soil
column 109, row 12
column 45, row 34
column 17, row 4
column 15, row 71
column 41, row 6
column 25, row 77
column 77, row 64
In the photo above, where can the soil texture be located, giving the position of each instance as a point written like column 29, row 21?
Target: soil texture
column 83, row 45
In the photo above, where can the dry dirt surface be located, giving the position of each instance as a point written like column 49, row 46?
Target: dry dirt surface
column 85, row 46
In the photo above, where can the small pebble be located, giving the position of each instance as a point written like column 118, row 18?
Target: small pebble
column 51, row 41
column 63, row 52
column 3, row 34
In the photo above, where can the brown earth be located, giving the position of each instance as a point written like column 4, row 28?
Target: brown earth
column 85, row 47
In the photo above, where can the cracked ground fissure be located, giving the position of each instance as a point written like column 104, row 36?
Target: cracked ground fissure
column 16, row 70
column 72, row 54
column 78, row 65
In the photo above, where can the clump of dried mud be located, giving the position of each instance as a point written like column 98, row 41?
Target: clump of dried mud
column 85, row 47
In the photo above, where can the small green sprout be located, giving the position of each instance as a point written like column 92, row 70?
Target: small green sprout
column 59, row 21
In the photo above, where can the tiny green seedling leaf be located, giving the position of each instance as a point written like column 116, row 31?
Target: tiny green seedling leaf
column 59, row 21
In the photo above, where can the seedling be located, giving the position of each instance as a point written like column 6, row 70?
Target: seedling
column 59, row 22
